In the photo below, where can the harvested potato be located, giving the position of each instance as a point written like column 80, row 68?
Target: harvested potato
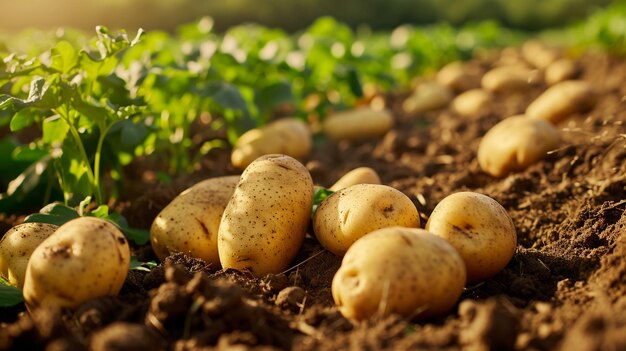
column 17, row 245
column 479, row 228
column 361, row 175
column 538, row 54
column 289, row 136
column 265, row 221
column 352, row 212
column 560, row 70
column 358, row 123
column 407, row 271
column 471, row 102
column 515, row 143
column 455, row 76
column 189, row 224
column 563, row 100
column 85, row 258
column 509, row 78
column 427, row 97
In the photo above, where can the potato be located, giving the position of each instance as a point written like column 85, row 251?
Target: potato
column 352, row 212
column 538, row 54
column 85, row 258
column 560, row 70
column 479, row 228
column 289, row 136
column 563, row 100
column 509, row 78
column 17, row 245
column 361, row 175
column 454, row 76
column 407, row 271
column 427, row 97
column 358, row 123
column 515, row 143
column 190, row 223
column 266, row 219
column 471, row 102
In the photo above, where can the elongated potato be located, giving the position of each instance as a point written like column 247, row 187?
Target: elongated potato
column 361, row 175
column 560, row 70
column 428, row 96
column 479, row 228
column 539, row 54
column 265, row 221
column 471, row 102
column 454, row 76
column 407, row 271
column 352, row 212
column 563, row 100
column 17, row 245
column 85, row 258
column 289, row 136
column 190, row 223
column 509, row 78
column 356, row 124
column 515, row 143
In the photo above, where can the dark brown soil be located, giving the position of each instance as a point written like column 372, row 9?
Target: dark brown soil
column 565, row 288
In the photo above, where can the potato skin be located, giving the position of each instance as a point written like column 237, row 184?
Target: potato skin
column 361, row 175
column 560, row 70
column 85, row 258
column 479, row 228
column 356, row 124
column 266, row 219
column 508, row 78
column 471, row 102
column 562, row 100
column 515, row 143
column 352, row 212
column 407, row 271
column 454, row 76
column 16, row 247
column 289, row 136
column 427, row 97
column 190, row 223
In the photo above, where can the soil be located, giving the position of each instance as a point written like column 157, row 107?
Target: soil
column 565, row 288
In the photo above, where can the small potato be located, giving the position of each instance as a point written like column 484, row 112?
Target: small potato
column 428, row 97
column 289, row 136
column 352, row 212
column 563, row 100
column 455, row 77
column 85, row 258
column 189, row 224
column 361, row 175
column 17, row 245
column 266, row 219
column 560, row 70
column 359, row 123
column 509, row 78
column 515, row 143
column 407, row 271
column 538, row 54
column 479, row 228
column 471, row 102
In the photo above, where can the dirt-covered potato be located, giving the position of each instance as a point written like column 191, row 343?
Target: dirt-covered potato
column 83, row 259
column 189, row 224
column 352, row 212
column 361, row 175
column 17, row 245
column 359, row 123
column 479, row 228
column 515, row 143
column 509, row 78
column 455, row 76
column 428, row 96
column 407, row 271
column 539, row 54
column 266, row 219
column 471, row 102
column 563, row 100
column 560, row 70
column 289, row 136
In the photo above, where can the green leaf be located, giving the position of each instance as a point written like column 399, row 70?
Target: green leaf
column 319, row 196
column 55, row 129
column 271, row 96
column 5, row 101
column 141, row 266
column 227, row 96
column 22, row 119
column 55, row 213
column 9, row 295
column 28, row 180
column 68, row 54
column 138, row 236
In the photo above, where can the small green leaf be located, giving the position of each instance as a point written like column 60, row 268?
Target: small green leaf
column 141, row 266
column 273, row 95
column 138, row 236
column 55, row 129
column 9, row 295
column 319, row 196
column 5, row 101
column 22, row 119
column 55, row 213
column 68, row 55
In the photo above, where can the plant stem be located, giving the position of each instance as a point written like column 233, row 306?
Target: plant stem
column 96, row 162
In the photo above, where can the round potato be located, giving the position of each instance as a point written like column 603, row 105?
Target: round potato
column 515, row 143
column 509, row 78
column 352, row 212
column 289, row 136
column 479, row 228
column 17, row 245
column 455, row 76
column 85, row 258
column 356, row 124
column 563, row 100
column 471, row 102
column 361, row 175
column 407, row 271
column 427, row 97
column 265, row 221
column 190, row 223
